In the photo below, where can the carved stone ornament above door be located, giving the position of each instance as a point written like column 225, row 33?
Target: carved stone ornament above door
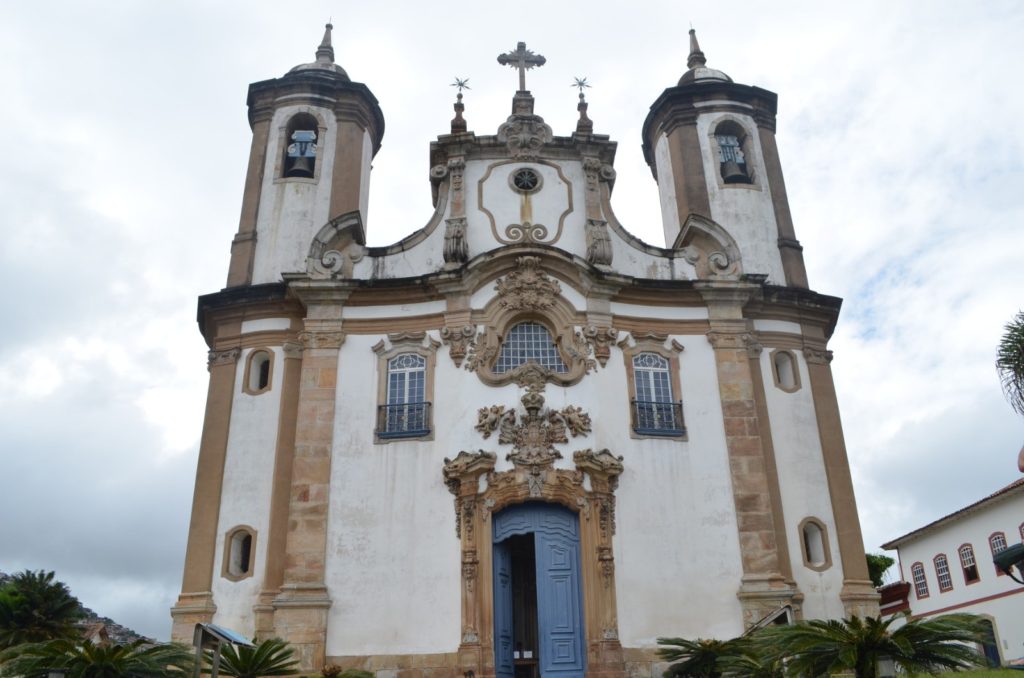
column 533, row 437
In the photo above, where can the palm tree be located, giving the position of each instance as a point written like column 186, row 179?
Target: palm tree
column 698, row 658
column 83, row 659
column 822, row 647
column 272, row 657
column 751, row 661
column 1010, row 365
column 36, row 608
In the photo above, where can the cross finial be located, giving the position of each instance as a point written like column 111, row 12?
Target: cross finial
column 580, row 84
column 461, row 83
column 523, row 59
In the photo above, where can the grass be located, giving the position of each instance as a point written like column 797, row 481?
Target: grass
column 992, row 673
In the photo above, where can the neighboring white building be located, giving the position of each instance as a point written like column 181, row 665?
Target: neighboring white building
column 948, row 566
column 519, row 440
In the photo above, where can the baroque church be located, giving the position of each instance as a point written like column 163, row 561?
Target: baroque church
column 520, row 441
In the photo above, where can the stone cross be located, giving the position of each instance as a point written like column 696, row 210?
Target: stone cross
column 522, row 59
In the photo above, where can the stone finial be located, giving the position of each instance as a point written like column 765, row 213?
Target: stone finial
column 325, row 52
column 584, row 126
column 696, row 57
column 458, row 122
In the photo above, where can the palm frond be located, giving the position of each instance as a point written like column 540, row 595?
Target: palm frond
column 1010, row 362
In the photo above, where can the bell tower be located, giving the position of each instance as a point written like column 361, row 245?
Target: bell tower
column 710, row 144
column 314, row 133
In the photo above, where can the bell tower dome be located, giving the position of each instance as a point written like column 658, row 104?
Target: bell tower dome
column 710, row 144
column 314, row 134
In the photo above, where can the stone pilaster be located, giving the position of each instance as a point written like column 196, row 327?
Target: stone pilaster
column 277, row 532
column 196, row 604
column 858, row 594
column 300, row 609
column 763, row 588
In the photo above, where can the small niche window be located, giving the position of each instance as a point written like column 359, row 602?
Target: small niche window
column 942, row 573
column 406, row 412
column 732, row 159
column 814, row 543
column 529, row 342
column 968, row 563
column 997, row 542
column 920, row 582
column 239, row 553
column 300, row 149
column 258, row 371
column 654, row 410
column 785, row 372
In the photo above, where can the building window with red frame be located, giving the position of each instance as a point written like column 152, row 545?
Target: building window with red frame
column 920, row 583
column 969, row 564
column 997, row 542
column 942, row 573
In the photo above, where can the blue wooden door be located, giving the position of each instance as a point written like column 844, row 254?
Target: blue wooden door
column 503, row 611
column 559, row 599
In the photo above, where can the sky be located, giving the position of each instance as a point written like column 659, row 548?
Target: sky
column 125, row 144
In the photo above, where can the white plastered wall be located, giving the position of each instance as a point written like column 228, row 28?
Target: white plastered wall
column 676, row 549
column 293, row 210
column 245, row 495
column 745, row 211
column 803, row 485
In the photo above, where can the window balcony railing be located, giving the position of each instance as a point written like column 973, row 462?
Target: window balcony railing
column 408, row 420
column 651, row 418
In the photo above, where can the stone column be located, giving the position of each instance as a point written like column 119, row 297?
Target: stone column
column 858, row 595
column 300, row 609
column 763, row 588
column 277, row 532
column 195, row 604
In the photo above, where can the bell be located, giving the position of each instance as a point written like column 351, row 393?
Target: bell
column 732, row 173
column 301, row 167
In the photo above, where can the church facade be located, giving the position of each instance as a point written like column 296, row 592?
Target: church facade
column 519, row 441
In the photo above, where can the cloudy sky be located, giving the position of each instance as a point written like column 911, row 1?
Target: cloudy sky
column 124, row 136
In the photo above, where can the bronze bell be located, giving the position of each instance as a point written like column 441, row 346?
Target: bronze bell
column 301, row 167
column 732, row 173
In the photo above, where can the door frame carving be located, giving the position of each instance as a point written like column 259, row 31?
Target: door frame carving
column 537, row 481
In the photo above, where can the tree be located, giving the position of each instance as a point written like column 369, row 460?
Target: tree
column 1010, row 365
column 272, row 657
column 36, row 608
column 820, row 647
column 83, row 659
column 878, row 563
column 699, row 658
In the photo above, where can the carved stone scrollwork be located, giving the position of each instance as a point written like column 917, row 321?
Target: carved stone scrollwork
column 228, row 357
column 460, row 340
column 599, row 244
column 525, row 136
column 292, row 349
column 736, row 340
column 528, row 287
column 322, row 339
column 533, row 436
column 817, row 356
column 456, row 248
column 600, row 340
column 438, row 172
column 469, row 569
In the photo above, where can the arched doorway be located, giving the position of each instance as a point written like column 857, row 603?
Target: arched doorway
column 538, row 620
